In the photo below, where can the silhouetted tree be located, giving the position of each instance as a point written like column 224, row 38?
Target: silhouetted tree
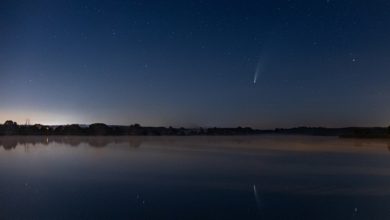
column 10, row 128
column 73, row 129
column 99, row 129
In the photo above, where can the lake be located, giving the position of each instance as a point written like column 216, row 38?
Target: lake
column 199, row 177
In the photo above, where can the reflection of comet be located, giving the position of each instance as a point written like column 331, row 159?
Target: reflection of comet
column 256, row 197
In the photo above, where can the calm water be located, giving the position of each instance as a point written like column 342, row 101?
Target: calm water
column 263, row 177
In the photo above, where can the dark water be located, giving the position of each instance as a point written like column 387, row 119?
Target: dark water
column 264, row 177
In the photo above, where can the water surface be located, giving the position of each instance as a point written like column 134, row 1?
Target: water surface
column 252, row 177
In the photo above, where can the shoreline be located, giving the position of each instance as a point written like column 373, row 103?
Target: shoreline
column 10, row 128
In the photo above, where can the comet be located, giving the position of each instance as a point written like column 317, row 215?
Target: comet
column 255, row 78
column 258, row 70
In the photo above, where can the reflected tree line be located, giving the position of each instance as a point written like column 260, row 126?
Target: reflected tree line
column 11, row 142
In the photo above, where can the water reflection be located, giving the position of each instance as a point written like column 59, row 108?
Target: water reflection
column 11, row 142
column 292, row 143
column 249, row 177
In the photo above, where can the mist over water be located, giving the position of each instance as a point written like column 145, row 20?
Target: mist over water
column 271, row 177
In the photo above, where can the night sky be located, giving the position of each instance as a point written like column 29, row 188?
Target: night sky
column 194, row 63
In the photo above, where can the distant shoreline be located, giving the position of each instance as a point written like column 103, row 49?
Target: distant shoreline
column 10, row 128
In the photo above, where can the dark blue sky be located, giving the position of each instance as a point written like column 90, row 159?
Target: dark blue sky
column 192, row 63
